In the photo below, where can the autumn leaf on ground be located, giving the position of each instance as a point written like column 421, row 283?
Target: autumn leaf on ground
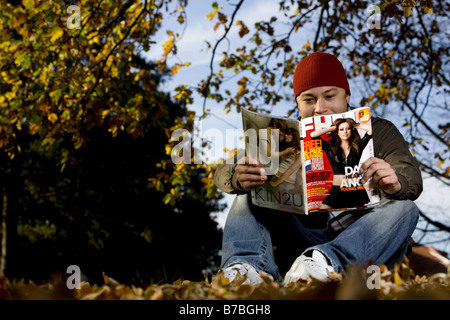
column 400, row 283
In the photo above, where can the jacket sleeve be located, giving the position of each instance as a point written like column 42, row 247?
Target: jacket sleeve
column 392, row 147
column 225, row 179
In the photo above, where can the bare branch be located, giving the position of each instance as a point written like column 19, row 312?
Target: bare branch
column 435, row 223
column 213, row 55
column 419, row 119
column 435, row 173
column 324, row 7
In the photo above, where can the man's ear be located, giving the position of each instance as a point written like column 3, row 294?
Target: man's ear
column 347, row 97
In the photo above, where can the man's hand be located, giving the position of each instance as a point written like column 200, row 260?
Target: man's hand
column 249, row 174
column 383, row 176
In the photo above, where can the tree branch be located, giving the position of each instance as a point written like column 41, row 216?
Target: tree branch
column 213, row 55
column 419, row 119
column 435, row 173
column 4, row 237
column 105, row 60
column 325, row 5
column 437, row 224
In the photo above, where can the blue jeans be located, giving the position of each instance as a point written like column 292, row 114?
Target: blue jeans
column 271, row 240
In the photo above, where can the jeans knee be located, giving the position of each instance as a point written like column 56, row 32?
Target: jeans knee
column 406, row 210
column 412, row 210
column 239, row 206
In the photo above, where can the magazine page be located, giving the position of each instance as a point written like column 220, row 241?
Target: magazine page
column 334, row 147
column 275, row 143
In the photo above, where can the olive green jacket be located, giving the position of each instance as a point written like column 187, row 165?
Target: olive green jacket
column 389, row 145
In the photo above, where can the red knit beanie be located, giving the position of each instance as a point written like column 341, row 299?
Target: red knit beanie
column 317, row 70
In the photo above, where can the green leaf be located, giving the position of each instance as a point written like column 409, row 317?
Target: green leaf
column 55, row 95
column 23, row 61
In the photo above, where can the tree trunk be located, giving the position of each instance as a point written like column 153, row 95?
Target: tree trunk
column 3, row 243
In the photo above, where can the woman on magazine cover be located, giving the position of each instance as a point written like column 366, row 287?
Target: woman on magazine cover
column 344, row 149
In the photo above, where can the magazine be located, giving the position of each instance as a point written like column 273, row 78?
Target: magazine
column 312, row 164
column 275, row 143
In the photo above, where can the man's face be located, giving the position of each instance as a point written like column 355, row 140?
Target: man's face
column 322, row 100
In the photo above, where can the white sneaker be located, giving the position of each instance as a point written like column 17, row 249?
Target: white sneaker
column 315, row 267
column 244, row 269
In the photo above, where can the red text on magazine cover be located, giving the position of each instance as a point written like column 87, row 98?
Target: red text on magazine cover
column 319, row 175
